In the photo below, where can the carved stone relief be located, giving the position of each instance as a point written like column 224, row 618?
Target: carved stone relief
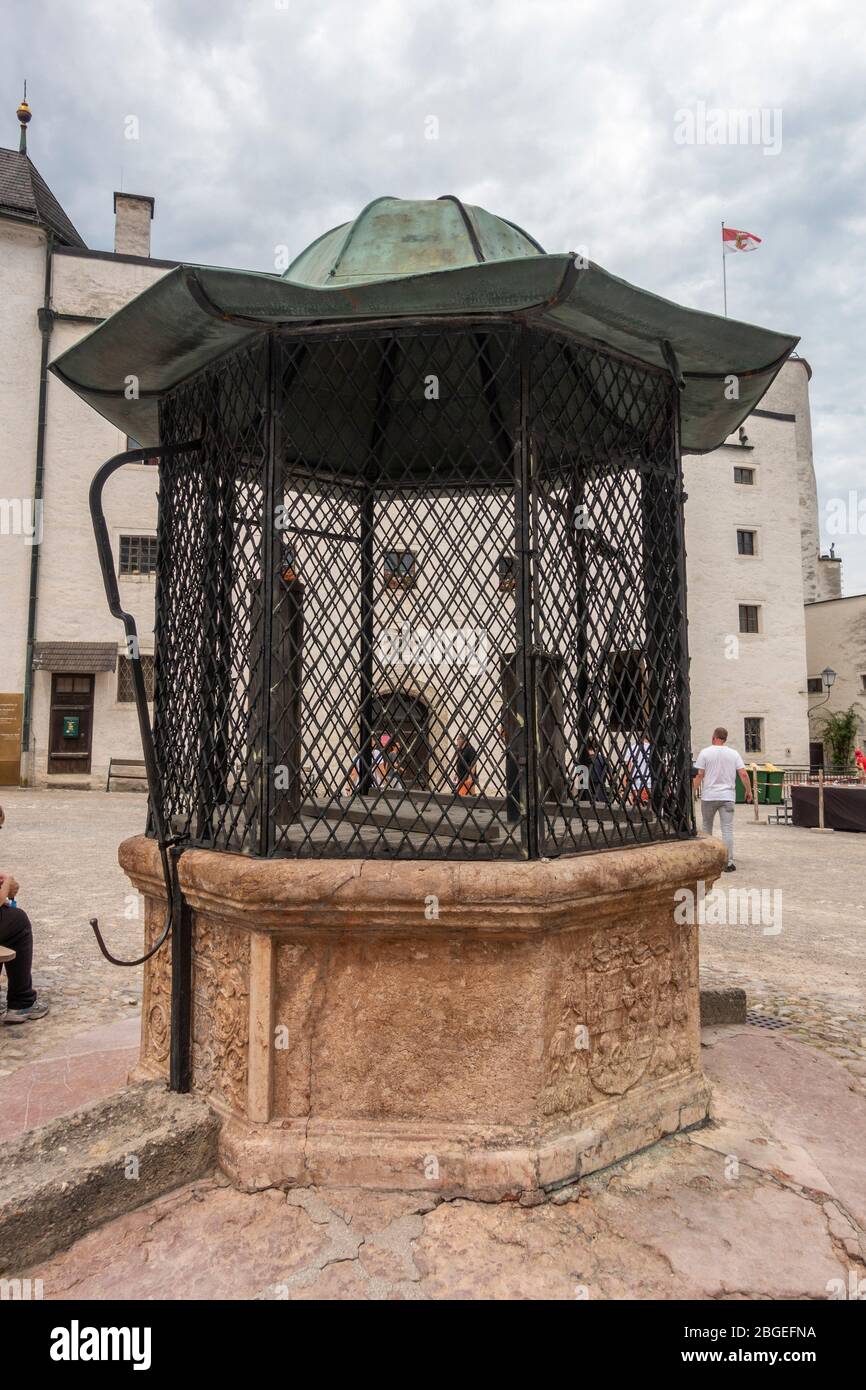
column 622, row 1015
column 220, row 1011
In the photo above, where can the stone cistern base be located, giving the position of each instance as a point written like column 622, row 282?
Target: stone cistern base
column 478, row 1029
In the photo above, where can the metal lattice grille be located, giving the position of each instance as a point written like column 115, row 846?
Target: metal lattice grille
column 420, row 593
column 608, row 603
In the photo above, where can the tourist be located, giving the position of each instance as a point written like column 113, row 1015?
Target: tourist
column 380, row 765
column 465, row 768
column 391, row 770
column 859, row 759
column 599, row 773
column 717, row 770
column 17, row 934
column 639, row 778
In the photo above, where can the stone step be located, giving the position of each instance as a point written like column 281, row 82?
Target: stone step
column 69, row 1176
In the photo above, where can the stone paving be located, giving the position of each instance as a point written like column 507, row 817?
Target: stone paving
column 62, row 848
column 769, row 1202
column 812, row 973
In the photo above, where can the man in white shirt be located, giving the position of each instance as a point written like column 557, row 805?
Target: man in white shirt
column 718, row 770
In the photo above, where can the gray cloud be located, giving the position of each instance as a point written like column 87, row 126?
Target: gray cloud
column 263, row 124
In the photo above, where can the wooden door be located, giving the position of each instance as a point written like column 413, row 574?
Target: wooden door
column 11, row 713
column 70, row 733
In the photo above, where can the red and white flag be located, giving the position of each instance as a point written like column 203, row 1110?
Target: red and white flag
column 732, row 240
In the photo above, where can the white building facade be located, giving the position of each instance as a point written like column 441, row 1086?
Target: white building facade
column 753, row 559
column 65, row 690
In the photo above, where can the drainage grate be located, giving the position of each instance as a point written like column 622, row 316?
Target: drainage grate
column 764, row 1020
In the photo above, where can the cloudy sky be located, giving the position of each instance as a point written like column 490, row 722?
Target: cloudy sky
column 262, row 123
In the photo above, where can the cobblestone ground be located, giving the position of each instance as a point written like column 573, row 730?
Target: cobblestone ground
column 811, row 974
column 62, row 848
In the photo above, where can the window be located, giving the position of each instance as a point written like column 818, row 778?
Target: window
column 749, row 617
column 863, row 681
column 506, row 570
column 627, row 692
column 753, row 735
column 399, row 569
column 72, row 685
column 288, row 563
column 745, row 542
column 125, row 688
column 138, row 555
column 744, row 475
column 815, row 685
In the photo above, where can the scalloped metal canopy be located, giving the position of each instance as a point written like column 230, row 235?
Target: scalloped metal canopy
column 416, row 259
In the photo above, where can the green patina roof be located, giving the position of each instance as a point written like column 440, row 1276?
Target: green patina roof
column 392, row 237
column 413, row 259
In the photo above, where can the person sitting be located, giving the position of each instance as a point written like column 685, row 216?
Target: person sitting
column 17, row 933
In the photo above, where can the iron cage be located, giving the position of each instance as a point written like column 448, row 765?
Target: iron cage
column 421, row 594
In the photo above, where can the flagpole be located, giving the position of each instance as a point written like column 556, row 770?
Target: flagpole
column 724, row 270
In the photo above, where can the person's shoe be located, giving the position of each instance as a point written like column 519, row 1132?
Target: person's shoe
column 729, row 869
column 25, row 1015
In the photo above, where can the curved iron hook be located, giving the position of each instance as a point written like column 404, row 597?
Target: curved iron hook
column 112, row 593
column 115, row 960
column 169, row 918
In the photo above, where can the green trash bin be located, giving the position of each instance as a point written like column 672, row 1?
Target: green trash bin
column 762, row 787
column 741, row 790
column 775, row 781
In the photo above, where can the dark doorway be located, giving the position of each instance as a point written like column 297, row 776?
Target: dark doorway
column 71, row 725
column 407, row 719
column 816, row 755
column 551, row 756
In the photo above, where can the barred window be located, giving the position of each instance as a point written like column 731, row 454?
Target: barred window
column 753, row 735
column 749, row 621
column 288, row 562
column 399, row 569
column 506, row 570
column 125, row 688
column 138, row 554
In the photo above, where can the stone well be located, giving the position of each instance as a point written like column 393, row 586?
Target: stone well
column 420, row 729
column 543, row 1025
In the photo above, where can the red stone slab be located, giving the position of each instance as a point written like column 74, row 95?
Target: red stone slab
column 82, row 1069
